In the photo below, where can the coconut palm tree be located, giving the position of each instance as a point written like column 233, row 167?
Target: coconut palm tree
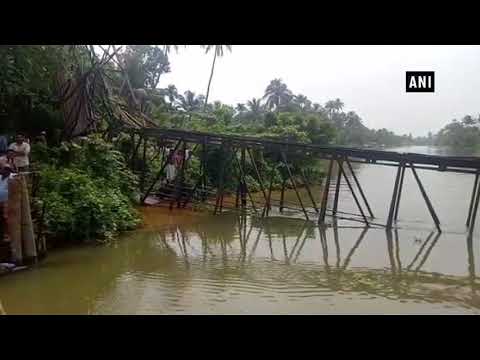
column 277, row 94
column 302, row 102
column 190, row 102
column 255, row 106
column 218, row 51
column 241, row 108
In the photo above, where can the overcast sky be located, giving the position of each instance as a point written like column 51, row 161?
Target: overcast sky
column 368, row 79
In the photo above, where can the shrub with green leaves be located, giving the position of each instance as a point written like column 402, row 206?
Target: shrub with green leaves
column 87, row 190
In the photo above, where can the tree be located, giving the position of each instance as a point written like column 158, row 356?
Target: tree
column 303, row 103
column 277, row 95
column 144, row 65
column 255, row 106
column 218, row 51
column 241, row 108
column 190, row 102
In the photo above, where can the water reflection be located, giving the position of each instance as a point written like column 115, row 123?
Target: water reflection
column 237, row 264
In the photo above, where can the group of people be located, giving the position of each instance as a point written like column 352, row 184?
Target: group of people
column 13, row 159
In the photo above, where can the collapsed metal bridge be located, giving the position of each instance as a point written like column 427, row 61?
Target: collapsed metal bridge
column 286, row 154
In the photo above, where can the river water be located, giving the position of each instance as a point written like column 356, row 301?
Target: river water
column 194, row 263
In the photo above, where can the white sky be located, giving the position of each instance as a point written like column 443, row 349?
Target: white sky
column 368, row 79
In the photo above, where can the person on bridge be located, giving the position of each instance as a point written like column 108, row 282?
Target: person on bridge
column 21, row 150
column 171, row 170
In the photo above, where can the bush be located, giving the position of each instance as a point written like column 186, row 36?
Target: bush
column 87, row 191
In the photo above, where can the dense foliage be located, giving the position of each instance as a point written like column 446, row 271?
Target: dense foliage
column 464, row 133
column 87, row 185
column 86, row 189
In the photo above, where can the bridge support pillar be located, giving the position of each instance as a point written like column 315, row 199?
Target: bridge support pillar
column 474, row 211
column 326, row 188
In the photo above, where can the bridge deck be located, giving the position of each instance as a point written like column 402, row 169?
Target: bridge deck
column 469, row 164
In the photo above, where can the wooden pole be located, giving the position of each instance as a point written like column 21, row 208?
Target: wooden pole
column 292, row 181
column 394, row 199
column 337, row 188
column 29, row 249
column 425, row 197
column 472, row 200
column 14, row 219
column 357, row 182
column 323, row 206
column 400, row 187
column 353, row 193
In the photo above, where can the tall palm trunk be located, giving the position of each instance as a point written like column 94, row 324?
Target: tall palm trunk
column 210, row 80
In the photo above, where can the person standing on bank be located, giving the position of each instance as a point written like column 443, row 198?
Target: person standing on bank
column 21, row 150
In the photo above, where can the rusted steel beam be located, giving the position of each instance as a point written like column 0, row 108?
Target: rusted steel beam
column 323, row 206
column 400, row 187
column 257, row 172
column 308, row 190
column 391, row 212
column 219, row 200
column 292, row 181
column 474, row 213
column 159, row 174
column 359, row 187
column 267, row 207
column 282, row 196
column 179, row 180
column 243, row 181
column 353, row 193
column 337, row 187
column 472, row 200
column 144, row 165
column 319, row 150
column 425, row 197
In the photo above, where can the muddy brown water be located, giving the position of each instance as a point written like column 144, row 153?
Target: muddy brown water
column 195, row 263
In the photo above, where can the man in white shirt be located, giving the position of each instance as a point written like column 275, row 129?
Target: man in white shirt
column 22, row 150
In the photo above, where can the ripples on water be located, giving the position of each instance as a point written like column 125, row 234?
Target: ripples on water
column 197, row 263
column 230, row 264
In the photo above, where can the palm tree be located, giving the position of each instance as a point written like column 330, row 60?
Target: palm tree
column 190, row 102
column 218, row 51
column 334, row 106
column 172, row 93
column 255, row 106
column 241, row 108
column 168, row 48
column 277, row 94
column 338, row 105
column 302, row 102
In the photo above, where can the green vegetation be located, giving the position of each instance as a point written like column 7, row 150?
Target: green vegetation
column 464, row 133
column 87, row 190
column 88, row 184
